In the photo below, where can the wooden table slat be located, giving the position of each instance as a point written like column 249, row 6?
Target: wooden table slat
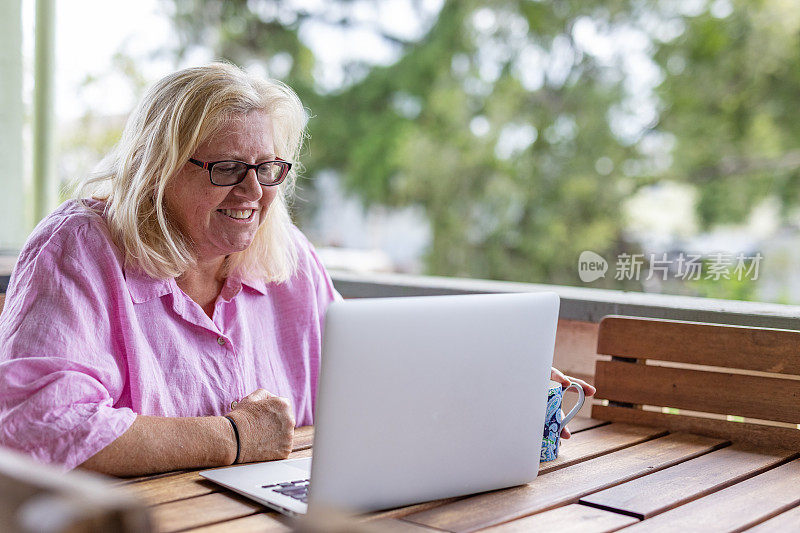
column 650, row 495
column 271, row 523
column 122, row 481
column 173, row 488
column 735, row 508
column 391, row 525
column 583, row 423
column 257, row 523
column 786, row 521
column 572, row 518
column 566, row 485
column 601, row 440
column 202, row 511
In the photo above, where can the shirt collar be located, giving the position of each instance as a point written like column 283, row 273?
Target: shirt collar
column 258, row 285
column 143, row 287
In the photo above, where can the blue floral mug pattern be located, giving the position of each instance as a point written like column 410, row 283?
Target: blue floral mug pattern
column 554, row 419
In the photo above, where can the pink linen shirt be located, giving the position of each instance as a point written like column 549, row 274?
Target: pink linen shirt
column 86, row 344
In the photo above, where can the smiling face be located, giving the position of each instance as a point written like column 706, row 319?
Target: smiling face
column 216, row 220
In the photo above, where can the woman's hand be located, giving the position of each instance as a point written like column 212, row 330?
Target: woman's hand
column 557, row 375
column 266, row 426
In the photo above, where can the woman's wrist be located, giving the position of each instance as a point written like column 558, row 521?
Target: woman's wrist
column 232, row 440
column 238, row 438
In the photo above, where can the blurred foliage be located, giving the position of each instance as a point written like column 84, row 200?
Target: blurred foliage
column 730, row 99
column 86, row 140
column 733, row 281
column 516, row 137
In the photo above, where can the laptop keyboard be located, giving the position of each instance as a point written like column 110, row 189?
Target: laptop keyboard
column 294, row 489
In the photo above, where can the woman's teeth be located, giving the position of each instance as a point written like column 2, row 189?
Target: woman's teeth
column 237, row 214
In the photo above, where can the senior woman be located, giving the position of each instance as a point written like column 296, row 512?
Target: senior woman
column 173, row 318
column 179, row 293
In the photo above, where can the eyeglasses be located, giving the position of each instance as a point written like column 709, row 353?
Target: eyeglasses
column 229, row 173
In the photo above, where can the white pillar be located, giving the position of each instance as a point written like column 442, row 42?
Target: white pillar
column 13, row 227
column 45, row 188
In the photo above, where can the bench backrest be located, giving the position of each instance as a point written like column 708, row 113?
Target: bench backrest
column 734, row 382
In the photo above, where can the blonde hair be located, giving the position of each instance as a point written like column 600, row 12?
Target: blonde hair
column 176, row 115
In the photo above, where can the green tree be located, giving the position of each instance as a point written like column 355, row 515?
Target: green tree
column 730, row 100
column 503, row 159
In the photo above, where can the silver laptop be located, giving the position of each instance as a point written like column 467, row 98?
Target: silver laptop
column 419, row 398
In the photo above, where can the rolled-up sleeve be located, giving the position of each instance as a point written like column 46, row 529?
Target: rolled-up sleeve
column 61, row 368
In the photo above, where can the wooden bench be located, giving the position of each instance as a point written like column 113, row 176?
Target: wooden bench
column 36, row 497
column 732, row 382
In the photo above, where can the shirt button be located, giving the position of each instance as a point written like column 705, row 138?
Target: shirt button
column 221, row 341
column 234, row 403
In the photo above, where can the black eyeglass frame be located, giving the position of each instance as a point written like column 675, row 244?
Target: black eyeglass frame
column 285, row 167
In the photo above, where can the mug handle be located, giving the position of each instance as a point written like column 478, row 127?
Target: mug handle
column 581, row 399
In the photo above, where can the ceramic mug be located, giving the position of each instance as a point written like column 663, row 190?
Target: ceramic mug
column 554, row 419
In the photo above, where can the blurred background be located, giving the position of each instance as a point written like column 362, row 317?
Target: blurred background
column 481, row 139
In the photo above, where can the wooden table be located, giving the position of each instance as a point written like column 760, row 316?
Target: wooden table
column 608, row 476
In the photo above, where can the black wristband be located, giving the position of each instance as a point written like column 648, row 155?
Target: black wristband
column 238, row 441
